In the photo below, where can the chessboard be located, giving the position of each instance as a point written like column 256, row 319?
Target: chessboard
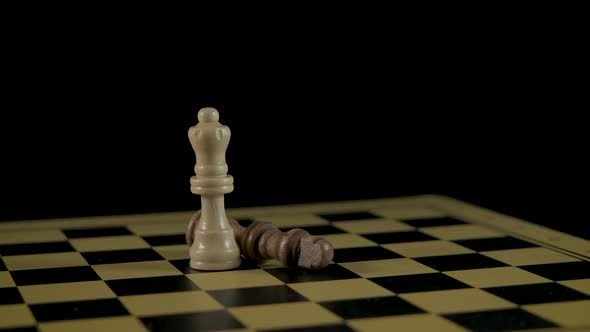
column 420, row 263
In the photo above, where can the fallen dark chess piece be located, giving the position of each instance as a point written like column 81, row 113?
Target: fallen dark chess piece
column 264, row 241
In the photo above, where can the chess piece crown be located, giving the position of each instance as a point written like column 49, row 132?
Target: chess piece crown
column 210, row 140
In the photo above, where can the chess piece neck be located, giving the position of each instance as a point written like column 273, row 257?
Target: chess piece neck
column 213, row 212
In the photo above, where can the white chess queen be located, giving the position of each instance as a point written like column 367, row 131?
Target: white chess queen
column 213, row 246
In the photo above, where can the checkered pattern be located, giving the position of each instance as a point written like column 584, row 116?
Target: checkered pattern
column 427, row 271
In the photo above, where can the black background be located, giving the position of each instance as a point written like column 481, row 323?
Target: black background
column 103, row 130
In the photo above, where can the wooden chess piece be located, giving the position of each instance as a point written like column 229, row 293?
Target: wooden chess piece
column 214, row 246
column 263, row 241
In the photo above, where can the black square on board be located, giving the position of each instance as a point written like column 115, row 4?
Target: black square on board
column 200, row 321
column 363, row 254
column 560, row 271
column 499, row 320
column 433, row 222
column 398, row 237
column 2, row 266
column 165, row 240
column 423, row 282
column 317, row 230
column 372, row 307
column 244, row 222
column 183, row 265
column 330, row 272
column 54, row 275
column 319, row 328
column 348, row 216
column 235, row 297
column 78, row 309
column 497, row 243
column 152, row 285
column 537, row 293
column 96, row 232
column 35, row 248
column 459, row 262
column 10, row 295
column 121, row 256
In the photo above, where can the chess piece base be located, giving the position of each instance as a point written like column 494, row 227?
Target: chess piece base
column 214, row 250
column 215, row 266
